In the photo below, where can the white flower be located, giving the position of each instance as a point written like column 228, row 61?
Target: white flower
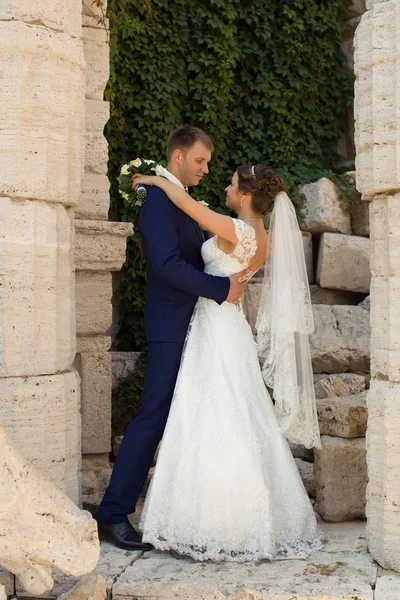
column 202, row 202
column 162, row 171
column 125, row 170
column 124, row 195
column 148, row 162
column 136, row 163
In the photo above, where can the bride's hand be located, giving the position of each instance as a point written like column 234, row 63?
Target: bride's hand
column 144, row 179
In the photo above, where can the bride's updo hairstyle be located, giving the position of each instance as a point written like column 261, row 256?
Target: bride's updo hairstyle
column 262, row 183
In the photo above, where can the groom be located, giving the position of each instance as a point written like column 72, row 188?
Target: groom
column 171, row 243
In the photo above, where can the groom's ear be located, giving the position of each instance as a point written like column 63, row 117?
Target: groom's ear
column 176, row 156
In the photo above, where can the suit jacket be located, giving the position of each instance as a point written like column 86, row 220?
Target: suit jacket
column 171, row 242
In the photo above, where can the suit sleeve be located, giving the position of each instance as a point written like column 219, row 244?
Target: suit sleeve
column 160, row 239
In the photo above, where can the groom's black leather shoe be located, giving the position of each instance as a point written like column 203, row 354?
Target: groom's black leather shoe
column 123, row 535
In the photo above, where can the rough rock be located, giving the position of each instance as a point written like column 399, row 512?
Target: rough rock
column 7, row 581
column 95, row 197
column 344, row 417
column 336, row 576
column 93, row 317
column 340, row 472
column 43, row 75
column 112, row 562
column 3, row 595
column 123, row 364
column 116, row 444
column 36, row 291
column 383, row 492
column 323, row 209
column 356, row 9
column 96, row 50
column 96, row 473
column 95, row 371
column 387, row 585
column 360, row 219
column 96, row 153
column 100, row 245
column 40, row 526
column 93, row 587
column 42, row 419
column 59, row 15
column 342, row 384
column 94, row 13
column 321, row 295
column 343, row 262
column 341, row 340
column 306, row 470
column 376, row 120
column 366, row 304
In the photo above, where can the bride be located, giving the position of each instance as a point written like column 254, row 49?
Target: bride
column 226, row 486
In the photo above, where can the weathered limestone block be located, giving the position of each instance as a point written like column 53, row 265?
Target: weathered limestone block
column 116, row 444
column 343, row 262
column 93, row 302
column 96, row 50
column 3, row 595
column 385, row 321
column 41, row 416
column 344, row 417
column 37, row 291
column 62, row 15
column 96, row 156
column 112, row 562
column 8, row 582
column 92, row 343
column 383, row 492
column 95, row 371
column 348, row 41
column 328, row 576
column 387, row 585
column 340, row 472
column 94, row 13
column 40, row 528
column 341, row 339
column 100, row 245
column 306, row 470
column 96, row 473
column 360, row 219
column 299, row 451
column 93, row 587
column 377, row 69
column 43, row 113
column 95, row 197
column 321, row 295
column 123, row 364
column 366, row 304
column 342, row 384
column 323, row 210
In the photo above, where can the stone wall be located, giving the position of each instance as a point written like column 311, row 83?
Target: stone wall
column 53, row 225
column 377, row 67
column 99, row 250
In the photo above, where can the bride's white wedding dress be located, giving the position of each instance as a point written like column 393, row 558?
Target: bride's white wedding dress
column 226, row 486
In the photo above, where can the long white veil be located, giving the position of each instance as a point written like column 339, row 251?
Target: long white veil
column 284, row 322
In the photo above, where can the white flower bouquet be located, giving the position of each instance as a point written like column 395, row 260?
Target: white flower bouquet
column 139, row 165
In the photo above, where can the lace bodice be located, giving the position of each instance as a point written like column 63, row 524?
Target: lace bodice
column 219, row 263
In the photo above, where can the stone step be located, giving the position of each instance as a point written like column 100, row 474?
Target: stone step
column 342, row 571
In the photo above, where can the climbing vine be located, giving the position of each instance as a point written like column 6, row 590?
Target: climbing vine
column 266, row 80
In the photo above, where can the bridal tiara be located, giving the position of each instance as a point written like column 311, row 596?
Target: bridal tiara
column 252, row 171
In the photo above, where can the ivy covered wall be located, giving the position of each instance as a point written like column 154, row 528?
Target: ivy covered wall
column 266, row 80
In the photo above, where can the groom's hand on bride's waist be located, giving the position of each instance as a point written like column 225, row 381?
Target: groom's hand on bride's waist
column 238, row 285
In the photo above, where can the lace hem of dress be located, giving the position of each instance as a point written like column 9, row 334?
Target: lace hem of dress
column 299, row 549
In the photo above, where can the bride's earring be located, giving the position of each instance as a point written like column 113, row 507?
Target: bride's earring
column 241, row 201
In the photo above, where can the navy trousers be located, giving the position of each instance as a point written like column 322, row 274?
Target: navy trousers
column 143, row 433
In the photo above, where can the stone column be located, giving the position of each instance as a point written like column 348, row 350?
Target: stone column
column 100, row 249
column 377, row 67
column 43, row 127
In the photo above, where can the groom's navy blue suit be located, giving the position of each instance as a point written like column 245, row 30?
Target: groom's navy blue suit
column 171, row 243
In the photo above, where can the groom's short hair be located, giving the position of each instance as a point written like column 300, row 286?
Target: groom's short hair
column 186, row 136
